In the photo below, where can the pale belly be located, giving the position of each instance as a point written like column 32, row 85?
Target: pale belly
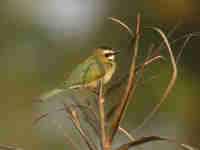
column 106, row 77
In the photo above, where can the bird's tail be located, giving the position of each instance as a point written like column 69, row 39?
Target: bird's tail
column 50, row 95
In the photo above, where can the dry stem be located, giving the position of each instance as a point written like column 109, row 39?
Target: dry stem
column 76, row 122
column 125, row 98
column 171, row 83
column 101, row 114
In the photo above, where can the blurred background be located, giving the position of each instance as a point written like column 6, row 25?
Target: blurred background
column 42, row 40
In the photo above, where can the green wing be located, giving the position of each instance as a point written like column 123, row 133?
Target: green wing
column 90, row 70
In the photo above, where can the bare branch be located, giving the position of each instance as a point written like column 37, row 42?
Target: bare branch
column 44, row 115
column 124, row 132
column 161, row 47
column 162, row 44
column 194, row 34
column 125, row 97
column 9, row 147
column 76, row 122
column 147, row 139
column 139, row 141
column 101, row 114
column 182, row 48
column 171, row 83
column 122, row 24
column 123, row 79
column 147, row 62
column 72, row 143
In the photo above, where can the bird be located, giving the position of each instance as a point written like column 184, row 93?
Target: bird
column 101, row 65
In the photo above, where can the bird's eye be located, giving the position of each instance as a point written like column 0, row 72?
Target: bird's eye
column 108, row 54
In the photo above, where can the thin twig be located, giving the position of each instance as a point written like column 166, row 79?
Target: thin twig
column 187, row 37
column 68, row 139
column 147, row 139
column 139, row 141
column 147, row 62
column 139, row 73
column 122, row 24
column 123, row 79
column 150, row 49
column 124, row 132
column 91, row 117
column 171, row 83
column 76, row 123
column 44, row 115
column 74, row 117
column 125, row 97
column 194, row 34
column 9, row 147
column 126, row 27
column 101, row 114
column 182, row 48
column 169, row 34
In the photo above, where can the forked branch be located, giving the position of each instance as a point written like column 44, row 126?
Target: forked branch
column 125, row 97
column 171, row 83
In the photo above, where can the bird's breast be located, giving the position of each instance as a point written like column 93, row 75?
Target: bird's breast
column 109, row 72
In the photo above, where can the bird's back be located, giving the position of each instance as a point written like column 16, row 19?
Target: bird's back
column 88, row 71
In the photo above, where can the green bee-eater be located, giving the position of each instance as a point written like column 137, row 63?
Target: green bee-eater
column 100, row 65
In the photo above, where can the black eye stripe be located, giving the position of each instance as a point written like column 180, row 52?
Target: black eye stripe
column 108, row 54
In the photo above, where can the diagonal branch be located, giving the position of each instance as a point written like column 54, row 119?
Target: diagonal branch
column 76, row 122
column 44, row 115
column 123, row 79
column 119, row 82
column 68, row 139
column 125, row 133
column 125, row 97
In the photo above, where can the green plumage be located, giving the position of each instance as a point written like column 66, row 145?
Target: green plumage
column 88, row 71
column 99, row 65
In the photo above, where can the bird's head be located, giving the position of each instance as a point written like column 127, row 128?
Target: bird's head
column 106, row 54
